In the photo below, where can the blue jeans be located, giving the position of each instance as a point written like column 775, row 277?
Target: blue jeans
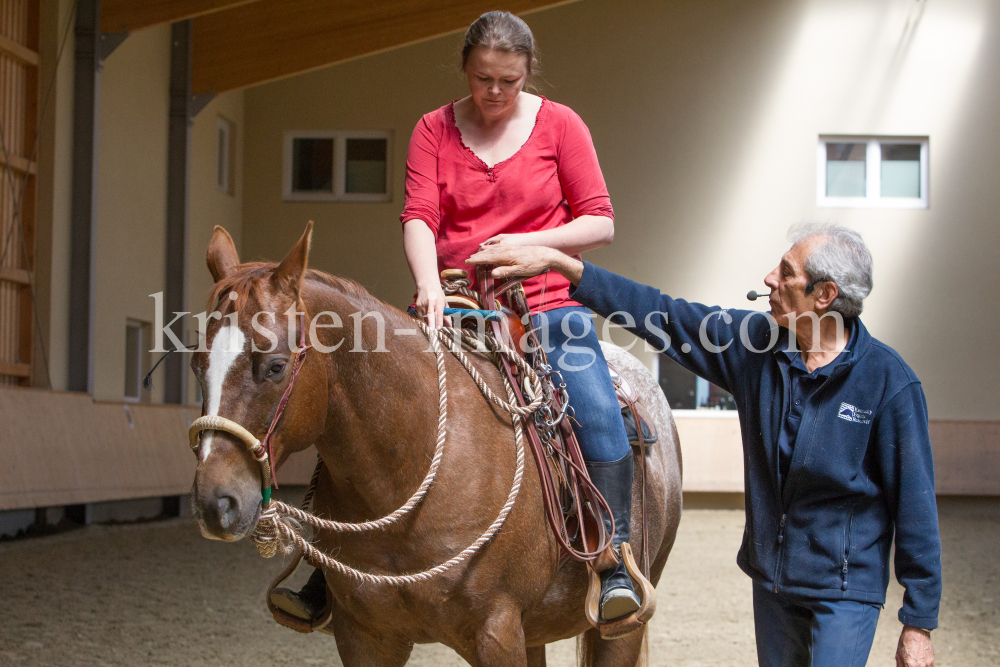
column 793, row 631
column 570, row 341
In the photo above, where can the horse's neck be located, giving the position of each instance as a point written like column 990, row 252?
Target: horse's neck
column 382, row 412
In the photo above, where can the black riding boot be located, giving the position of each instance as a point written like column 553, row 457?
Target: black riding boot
column 614, row 481
column 308, row 603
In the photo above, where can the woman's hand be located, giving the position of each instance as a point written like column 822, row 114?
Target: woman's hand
column 430, row 305
column 421, row 254
column 527, row 261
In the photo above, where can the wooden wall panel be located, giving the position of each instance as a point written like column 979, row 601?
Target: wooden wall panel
column 62, row 448
column 130, row 15
column 966, row 455
column 712, row 453
column 19, row 64
column 277, row 38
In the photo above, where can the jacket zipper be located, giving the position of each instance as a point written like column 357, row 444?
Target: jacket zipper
column 781, row 484
column 781, row 550
column 847, row 548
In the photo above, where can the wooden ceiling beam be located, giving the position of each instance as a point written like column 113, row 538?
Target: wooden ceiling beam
column 131, row 15
column 279, row 38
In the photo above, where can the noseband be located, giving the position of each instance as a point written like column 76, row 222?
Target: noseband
column 262, row 451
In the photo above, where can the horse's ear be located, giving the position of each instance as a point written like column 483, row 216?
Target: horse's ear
column 222, row 257
column 293, row 266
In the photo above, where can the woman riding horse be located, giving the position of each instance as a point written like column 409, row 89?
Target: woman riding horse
column 505, row 166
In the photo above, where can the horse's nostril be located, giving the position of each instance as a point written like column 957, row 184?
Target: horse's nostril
column 229, row 512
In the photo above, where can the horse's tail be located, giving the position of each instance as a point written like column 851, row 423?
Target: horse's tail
column 589, row 642
column 585, row 648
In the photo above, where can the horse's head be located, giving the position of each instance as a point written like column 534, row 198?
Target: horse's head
column 244, row 365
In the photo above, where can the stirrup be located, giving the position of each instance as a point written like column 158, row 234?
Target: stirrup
column 290, row 606
column 620, row 627
column 288, row 610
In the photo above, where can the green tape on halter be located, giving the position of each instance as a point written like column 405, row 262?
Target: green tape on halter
column 265, row 496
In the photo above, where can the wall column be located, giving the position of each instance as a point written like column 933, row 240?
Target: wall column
column 178, row 179
column 86, row 96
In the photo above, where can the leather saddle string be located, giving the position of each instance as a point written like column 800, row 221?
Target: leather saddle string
column 642, row 453
column 550, row 501
column 578, row 468
column 583, row 487
column 300, row 358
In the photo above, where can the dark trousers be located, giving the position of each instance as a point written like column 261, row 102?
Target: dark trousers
column 795, row 631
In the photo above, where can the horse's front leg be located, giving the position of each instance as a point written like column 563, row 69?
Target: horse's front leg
column 500, row 642
column 536, row 656
column 359, row 647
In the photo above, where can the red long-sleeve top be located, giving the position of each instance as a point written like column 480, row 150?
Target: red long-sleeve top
column 552, row 179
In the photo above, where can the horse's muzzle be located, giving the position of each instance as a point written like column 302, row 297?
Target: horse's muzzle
column 225, row 514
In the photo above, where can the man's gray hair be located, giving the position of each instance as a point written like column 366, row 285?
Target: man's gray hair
column 843, row 258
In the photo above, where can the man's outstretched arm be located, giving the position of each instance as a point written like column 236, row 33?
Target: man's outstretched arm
column 703, row 339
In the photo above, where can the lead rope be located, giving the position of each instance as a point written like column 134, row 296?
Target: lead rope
column 273, row 533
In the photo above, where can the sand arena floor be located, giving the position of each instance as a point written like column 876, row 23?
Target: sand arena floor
column 159, row 594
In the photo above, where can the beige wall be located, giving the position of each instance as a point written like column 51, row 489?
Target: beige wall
column 706, row 116
column 131, row 195
column 131, row 198
column 389, row 91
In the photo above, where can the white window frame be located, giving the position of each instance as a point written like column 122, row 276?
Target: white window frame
column 873, row 174
column 223, row 159
column 339, row 193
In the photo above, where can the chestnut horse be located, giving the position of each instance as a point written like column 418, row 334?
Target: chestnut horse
column 372, row 416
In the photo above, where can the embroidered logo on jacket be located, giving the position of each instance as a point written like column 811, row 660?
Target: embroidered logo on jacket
column 854, row 414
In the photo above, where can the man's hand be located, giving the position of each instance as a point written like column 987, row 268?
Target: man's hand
column 914, row 649
column 527, row 261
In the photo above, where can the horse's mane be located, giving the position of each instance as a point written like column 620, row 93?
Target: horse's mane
column 248, row 283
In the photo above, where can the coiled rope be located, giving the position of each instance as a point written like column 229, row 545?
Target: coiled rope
column 278, row 526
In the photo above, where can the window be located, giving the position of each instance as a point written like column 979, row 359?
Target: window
column 224, row 155
column 337, row 166
column 136, row 358
column 872, row 172
column 686, row 391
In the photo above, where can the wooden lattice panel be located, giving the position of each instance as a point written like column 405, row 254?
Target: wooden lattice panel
column 19, row 66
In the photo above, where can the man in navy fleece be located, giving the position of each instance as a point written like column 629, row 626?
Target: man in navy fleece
column 837, row 454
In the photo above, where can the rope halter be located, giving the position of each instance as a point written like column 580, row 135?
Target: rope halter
column 257, row 449
column 263, row 452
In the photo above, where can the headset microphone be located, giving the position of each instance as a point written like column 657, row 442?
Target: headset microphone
column 753, row 295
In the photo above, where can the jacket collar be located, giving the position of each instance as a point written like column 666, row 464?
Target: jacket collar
column 858, row 344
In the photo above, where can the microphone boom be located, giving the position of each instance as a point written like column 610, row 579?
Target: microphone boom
column 753, row 295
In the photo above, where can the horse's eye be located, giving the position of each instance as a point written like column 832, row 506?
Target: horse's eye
column 276, row 367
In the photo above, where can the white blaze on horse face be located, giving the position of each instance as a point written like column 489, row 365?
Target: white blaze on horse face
column 227, row 346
